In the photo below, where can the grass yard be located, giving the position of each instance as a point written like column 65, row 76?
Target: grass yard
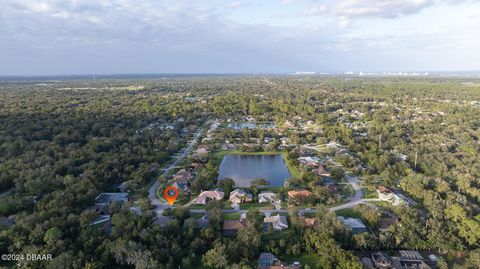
column 256, row 205
column 347, row 212
column 194, row 206
column 306, row 259
column 231, row 216
column 196, row 215
column 369, row 194
column 277, row 235
column 294, row 170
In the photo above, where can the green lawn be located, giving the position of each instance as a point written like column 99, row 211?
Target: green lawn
column 347, row 212
column 306, row 259
column 380, row 204
column 294, row 170
column 231, row 216
column 277, row 235
column 194, row 206
column 196, row 215
column 256, row 205
column 368, row 194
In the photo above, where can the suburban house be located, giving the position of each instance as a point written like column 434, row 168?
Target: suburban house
column 206, row 196
column 267, row 197
column 355, row 225
column 307, row 222
column 228, row 146
column 202, row 151
column 267, row 260
column 321, row 171
column 182, row 177
column 410, row 259
column 393, row 197
column 7, row 222
column 406, row 259
column 385, row 223
column 289, row 125
column 277, row 222
column 239, row 196
column 312, row 164
column 196, row 165
column 308, row 159
column 231, row 227
column 381, row 260
column 303, row 193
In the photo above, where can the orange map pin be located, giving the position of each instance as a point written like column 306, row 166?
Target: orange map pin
column 171, row 194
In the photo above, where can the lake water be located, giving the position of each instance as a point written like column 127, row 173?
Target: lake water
column 245, row 168
column 251, row 125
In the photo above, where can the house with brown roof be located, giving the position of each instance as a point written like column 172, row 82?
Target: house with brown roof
column 202, row 151
column 231, row 227
column 302, row 193
column 386, row 223
column 239, row 196
column 182, row 177
column 321, row 171
column 307, row 222
column 289, row 125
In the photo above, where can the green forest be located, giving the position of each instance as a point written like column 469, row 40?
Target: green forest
column 62, row 143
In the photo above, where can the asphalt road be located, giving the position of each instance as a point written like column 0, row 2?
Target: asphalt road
column 159, row 204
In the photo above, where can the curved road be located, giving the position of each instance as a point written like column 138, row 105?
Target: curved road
column 160, row 205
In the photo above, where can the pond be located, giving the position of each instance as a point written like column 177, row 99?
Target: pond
column 245, row 168
column 251, row 125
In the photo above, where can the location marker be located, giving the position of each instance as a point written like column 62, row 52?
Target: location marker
column 171, row 194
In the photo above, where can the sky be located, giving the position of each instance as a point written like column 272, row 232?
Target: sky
column 56, row 37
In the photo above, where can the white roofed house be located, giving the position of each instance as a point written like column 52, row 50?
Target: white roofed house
column 206, row 196
column 277, row 222
column 270, row 197
column 394, row 197
column 239, row 196
column 267, row 197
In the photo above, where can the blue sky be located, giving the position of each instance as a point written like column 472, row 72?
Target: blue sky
column 46, row 37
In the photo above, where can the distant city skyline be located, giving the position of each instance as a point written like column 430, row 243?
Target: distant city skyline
column 57, row 37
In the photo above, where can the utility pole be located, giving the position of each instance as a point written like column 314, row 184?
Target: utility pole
column 380, row 141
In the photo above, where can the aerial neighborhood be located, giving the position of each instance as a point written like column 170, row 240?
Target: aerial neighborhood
column 243, row 172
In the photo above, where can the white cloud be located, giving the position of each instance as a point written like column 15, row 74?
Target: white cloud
column 236, row 4
column 200, row 36
column 367, row 8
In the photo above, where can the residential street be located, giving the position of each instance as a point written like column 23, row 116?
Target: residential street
column 159, row 204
